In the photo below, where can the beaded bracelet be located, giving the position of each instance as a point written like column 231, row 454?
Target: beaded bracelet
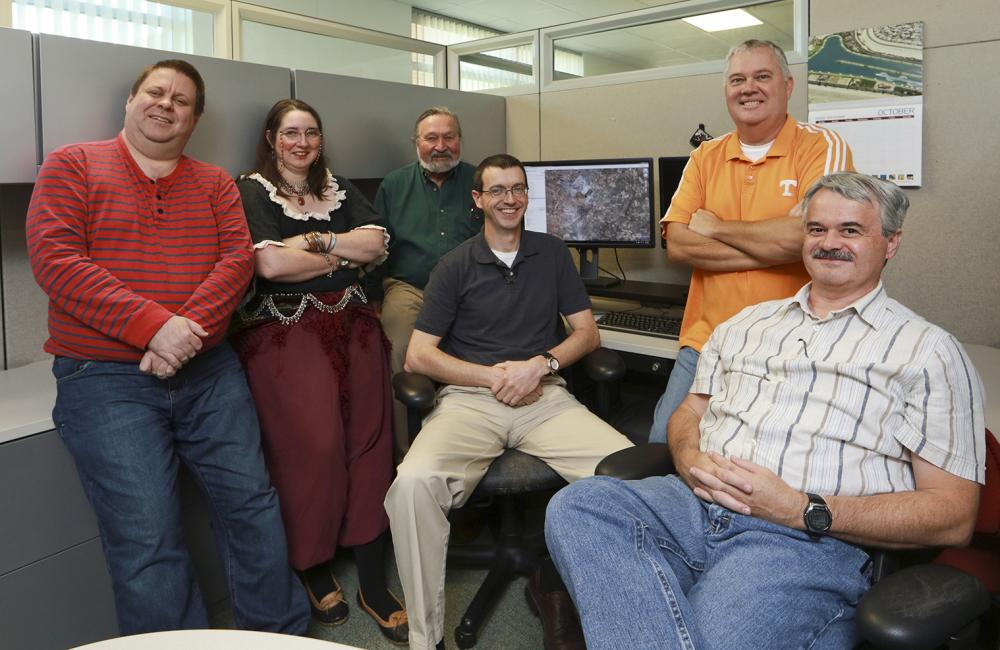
column 330, row 263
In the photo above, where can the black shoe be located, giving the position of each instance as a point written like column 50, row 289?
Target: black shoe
column 396, row 629
column 560, row 623
column 330, row 610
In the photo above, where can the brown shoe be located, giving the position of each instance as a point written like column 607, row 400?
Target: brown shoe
column 397, row 628
column 560, row 623
column 330, row 610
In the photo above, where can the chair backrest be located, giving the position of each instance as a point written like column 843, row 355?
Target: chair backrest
column 981, row 557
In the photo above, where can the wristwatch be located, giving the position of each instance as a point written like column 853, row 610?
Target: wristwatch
column 552, row 362
column 817, row 515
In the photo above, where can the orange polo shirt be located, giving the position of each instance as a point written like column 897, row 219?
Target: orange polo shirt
column 720, row 179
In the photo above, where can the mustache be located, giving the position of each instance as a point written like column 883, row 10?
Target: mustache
column 835, row 254
column 446, row 155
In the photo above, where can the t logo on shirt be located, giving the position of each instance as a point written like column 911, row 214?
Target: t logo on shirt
column 787, row 185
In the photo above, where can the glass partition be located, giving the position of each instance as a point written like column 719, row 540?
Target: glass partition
column 673, row 42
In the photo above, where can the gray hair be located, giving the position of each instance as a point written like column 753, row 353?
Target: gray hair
column 861, row 188
column 755, row 43
column 432, row 111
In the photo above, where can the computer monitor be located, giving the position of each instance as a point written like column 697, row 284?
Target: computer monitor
column 593, row 204
column 671, row 170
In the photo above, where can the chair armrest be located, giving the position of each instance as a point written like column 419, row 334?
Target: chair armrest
column 920, row 607
column 641, row 461
column 413, row 391
column 604, row 365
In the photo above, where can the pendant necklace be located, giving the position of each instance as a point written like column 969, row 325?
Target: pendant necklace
column 297, row 190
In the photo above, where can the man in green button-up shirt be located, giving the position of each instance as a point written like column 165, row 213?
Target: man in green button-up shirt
column 429, row 210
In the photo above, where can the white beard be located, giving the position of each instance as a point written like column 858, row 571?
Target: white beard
column 440, row 165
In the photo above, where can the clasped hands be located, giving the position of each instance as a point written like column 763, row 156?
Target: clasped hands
column 744, row 487
column 173, row 345
column 518, row 383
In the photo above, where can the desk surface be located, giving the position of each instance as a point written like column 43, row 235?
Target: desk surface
column 650, row 346
column 214, row 640
column 646, row 292
column 27, row 395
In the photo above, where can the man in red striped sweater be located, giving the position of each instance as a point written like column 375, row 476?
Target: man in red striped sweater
column 144, row 254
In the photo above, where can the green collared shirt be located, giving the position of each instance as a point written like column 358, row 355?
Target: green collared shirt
column 425, row 221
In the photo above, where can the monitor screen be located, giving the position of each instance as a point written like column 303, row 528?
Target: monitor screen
column 593, row 203
column 671, row 170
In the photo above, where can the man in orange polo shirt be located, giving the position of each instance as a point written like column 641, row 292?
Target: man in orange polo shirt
column 734, row 215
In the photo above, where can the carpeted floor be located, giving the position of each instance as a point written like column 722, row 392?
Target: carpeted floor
column 512, row 626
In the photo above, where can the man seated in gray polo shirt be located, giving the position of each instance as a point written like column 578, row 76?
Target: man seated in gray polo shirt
column 489, row 332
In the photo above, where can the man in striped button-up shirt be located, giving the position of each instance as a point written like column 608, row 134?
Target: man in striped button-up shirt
column 816, row 425
column 144, row 254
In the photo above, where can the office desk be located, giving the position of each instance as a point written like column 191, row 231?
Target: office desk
column 642, row 353
column 647, row 292
column 649, row 354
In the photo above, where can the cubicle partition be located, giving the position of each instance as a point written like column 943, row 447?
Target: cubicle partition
column 82, row 87
column 368, row 124
column 53, row 581
column 17, row 105
column 18, row 160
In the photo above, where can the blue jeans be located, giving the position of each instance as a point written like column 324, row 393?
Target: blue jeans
column 128, row 432
column 649, row 565
column 681, row 378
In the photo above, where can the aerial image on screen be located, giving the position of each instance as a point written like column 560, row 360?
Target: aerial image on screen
column 598, row 204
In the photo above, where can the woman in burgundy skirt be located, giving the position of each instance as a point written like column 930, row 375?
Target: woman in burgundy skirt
column 317, row 363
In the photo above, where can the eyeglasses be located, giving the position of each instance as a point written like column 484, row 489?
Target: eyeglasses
column 433, row 138
column 500, row 191
column 312, row 135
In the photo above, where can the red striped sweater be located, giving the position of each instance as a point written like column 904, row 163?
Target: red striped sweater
column 118, row 254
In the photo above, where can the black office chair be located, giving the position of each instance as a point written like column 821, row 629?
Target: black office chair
column 512, row 476
column 919, row 607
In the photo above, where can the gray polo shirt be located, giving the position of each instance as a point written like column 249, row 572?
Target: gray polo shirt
column 486, row 313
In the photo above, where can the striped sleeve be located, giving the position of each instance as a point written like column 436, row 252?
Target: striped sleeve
column 945, row 421
column 825, row 152
column 56, row 231
column 709, row 376
column 215, row 299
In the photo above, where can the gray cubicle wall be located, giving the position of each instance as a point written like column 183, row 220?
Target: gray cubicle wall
column 369, row 124
column 24, row 304
column 18, row 163
column 17, row 106
column 84, row 86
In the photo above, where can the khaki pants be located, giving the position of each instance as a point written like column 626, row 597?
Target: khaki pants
column 400, row 307
column 464, row 433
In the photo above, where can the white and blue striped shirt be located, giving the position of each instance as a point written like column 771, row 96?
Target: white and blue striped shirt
column 837, row 405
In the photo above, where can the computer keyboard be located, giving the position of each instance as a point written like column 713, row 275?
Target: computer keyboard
column 624, row 321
